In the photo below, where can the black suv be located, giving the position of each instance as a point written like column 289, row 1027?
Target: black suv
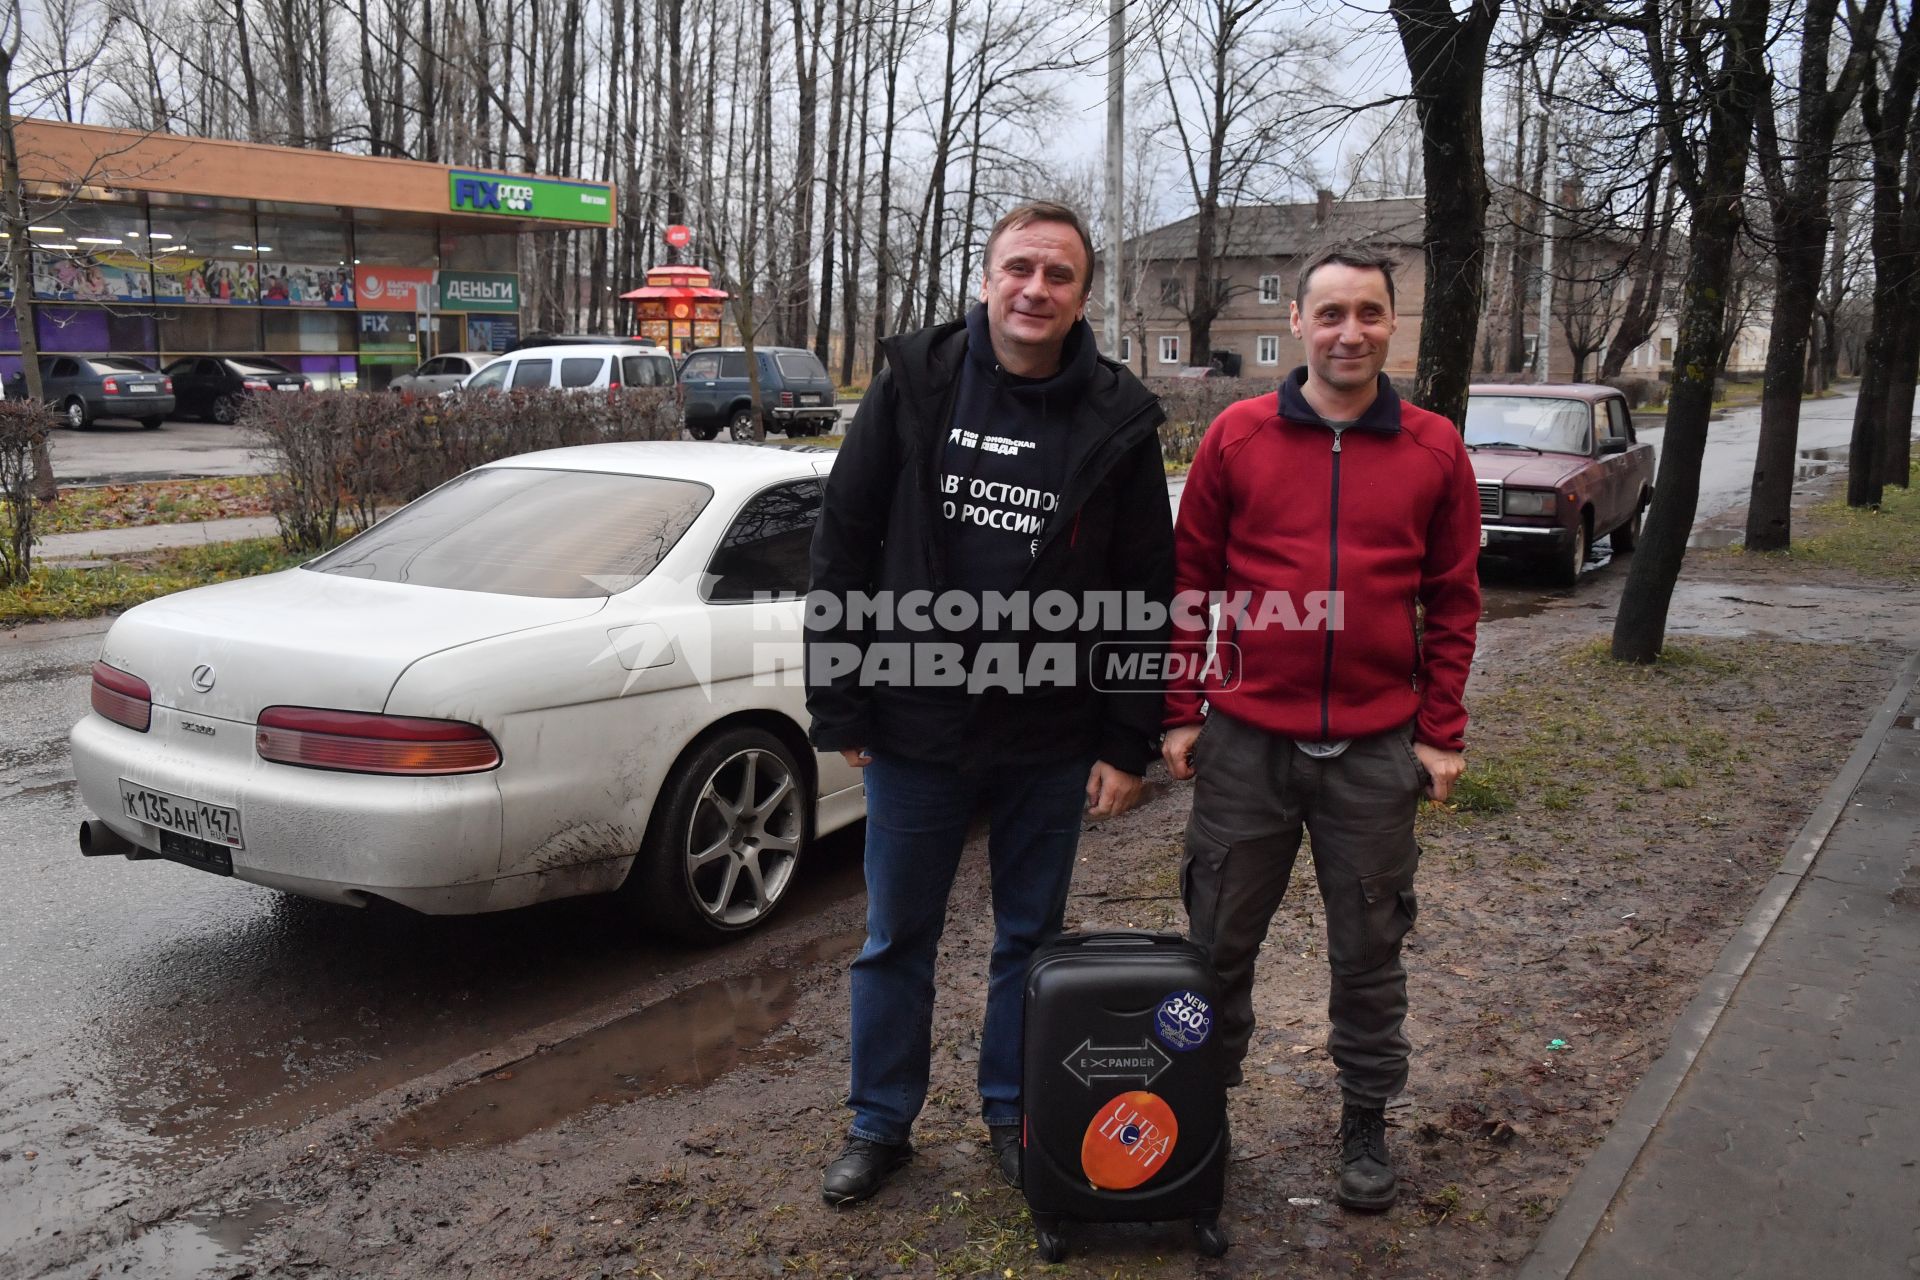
column 798, row 394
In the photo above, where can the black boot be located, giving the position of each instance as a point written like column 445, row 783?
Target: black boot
column 1366, row 1171
column 861, row 1169
column 1006, row 1150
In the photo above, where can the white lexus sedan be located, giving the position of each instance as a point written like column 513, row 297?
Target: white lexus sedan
column 561, row 673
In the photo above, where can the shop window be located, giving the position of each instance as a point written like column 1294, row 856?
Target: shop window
column 91, row 252
column 395, row 244
column 480, row 251
column 325, row 331
column 186, row 330
column 201, row 250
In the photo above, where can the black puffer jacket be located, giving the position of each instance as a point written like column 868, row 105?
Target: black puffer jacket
column 880, row 532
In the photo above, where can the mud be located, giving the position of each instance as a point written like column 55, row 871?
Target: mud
column 684, row 1136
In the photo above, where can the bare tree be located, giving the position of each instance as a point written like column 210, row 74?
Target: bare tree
column 1705, row 68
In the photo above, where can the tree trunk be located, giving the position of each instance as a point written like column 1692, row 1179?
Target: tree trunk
column 1641, row 315
column 1714, row 178
column 933, row 221
column 1896, row 453
column 883, row 246
column 246, row 69
column 792, row 316
column 1446, row 59
column 831, row 217
column 13, row 212
column 855, row 240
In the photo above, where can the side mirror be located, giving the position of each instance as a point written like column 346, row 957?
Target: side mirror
column 1613, row 445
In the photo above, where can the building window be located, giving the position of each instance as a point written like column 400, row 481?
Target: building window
column 1126, row 349
column 1269, row 290
column 1170, row 291
column 1169, row 350
column 1666, row 350
column 1267, row 349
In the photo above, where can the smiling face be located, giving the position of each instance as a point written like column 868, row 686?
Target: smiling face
column 1346, row 320
column 1035, row 291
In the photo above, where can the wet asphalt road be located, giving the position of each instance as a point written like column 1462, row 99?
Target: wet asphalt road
column 155, row 1016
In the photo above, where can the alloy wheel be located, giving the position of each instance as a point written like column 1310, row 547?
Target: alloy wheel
column 744, row 838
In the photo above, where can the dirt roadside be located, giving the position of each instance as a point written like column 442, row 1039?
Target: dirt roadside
column 1619, row 825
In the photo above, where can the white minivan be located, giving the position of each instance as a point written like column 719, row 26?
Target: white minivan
column 583, row 367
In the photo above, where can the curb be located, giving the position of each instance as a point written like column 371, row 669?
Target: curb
column 1574, row 1223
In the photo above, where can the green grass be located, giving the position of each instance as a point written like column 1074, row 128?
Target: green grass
column 1874, row 544
column 54, row 590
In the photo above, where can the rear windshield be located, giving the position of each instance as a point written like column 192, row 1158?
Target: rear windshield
column 525, row 532
column 1539, row 422
column 257, row 366
column 647, row 371
column 800, row 366
column 580, row 371
column 110, row 364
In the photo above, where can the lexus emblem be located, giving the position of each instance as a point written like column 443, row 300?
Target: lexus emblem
column 203, row 677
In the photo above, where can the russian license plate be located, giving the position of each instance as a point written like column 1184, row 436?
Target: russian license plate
column 143, row 388
column 216, row 824
column 1483, row 537
column 286, row 386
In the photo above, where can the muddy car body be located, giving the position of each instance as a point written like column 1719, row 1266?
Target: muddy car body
column 548, row 677
column 1558, row 468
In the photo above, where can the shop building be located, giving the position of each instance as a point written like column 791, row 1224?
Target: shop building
column 349, row 269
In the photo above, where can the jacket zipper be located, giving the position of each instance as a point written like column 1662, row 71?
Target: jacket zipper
column 1333, row 588
column 1099, row 447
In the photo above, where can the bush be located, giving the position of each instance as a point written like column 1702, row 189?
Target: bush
column 21, row 424
column 1192, row 404
column 343, row 449
column 1638, row 391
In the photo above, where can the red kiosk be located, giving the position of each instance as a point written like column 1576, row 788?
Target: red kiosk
column 678, row 308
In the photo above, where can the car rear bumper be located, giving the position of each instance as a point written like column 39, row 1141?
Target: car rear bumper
column 429, row 843
column 131, row 406
column 806, row 413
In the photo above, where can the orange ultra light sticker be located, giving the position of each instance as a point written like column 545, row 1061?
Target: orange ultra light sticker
column 1128, row 1141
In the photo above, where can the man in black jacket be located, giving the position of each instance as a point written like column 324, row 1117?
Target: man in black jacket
column 995, row 525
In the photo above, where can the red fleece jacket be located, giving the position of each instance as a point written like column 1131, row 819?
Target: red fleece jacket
column 1378, row 517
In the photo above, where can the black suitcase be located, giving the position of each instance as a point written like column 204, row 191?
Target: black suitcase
column 1125, row 1105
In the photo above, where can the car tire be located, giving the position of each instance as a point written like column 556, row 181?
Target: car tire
column 1627, row 536
column 740, row 425
column 77, row 415
column 1568, row 562
column 226, row 410
column 727, row 833
column 151, row 424
column 703, row 433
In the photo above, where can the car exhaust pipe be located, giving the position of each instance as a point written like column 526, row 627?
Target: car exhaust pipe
column 98, row 840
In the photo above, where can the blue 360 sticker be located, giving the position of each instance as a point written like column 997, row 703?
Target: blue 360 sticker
column 1183, row 1020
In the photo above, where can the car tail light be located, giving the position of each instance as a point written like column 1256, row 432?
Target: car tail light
column 786, row 397
column 166, row 385
column 122, row 698
column 254, row 384
column 359, row 742
column 110, row 386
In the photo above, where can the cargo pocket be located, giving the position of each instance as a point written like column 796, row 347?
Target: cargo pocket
column 1203, row 866
column 1386, row 914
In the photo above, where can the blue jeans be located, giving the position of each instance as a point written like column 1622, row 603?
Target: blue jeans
column 917, row 818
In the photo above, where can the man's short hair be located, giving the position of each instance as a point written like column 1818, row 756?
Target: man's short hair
column 1356, row 256
column 1043, row 211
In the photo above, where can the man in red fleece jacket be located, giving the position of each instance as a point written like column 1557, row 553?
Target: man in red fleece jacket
column 1323, row 518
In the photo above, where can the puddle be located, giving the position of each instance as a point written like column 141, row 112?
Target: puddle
column 683, row 1042
column 1503, row 609
column 1819, row 462
column 184, row 1247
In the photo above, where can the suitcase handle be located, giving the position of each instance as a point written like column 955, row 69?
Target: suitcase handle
column 1116, row 938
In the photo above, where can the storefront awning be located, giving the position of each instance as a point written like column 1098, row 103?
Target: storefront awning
column 678, row 293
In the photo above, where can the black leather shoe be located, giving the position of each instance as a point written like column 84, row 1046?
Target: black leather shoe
column 862, row 1168
column 1366, row 1171
column 1006, row 1149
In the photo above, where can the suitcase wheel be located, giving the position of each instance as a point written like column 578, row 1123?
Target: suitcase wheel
column 1208, row 1238
column 1051, row 1235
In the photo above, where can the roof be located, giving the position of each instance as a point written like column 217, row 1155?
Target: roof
column 683, row 292
column 1290, row 230
column 723, row 465
column 1588, row 391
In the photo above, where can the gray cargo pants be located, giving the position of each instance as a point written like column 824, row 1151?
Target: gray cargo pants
column 1253, row 791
